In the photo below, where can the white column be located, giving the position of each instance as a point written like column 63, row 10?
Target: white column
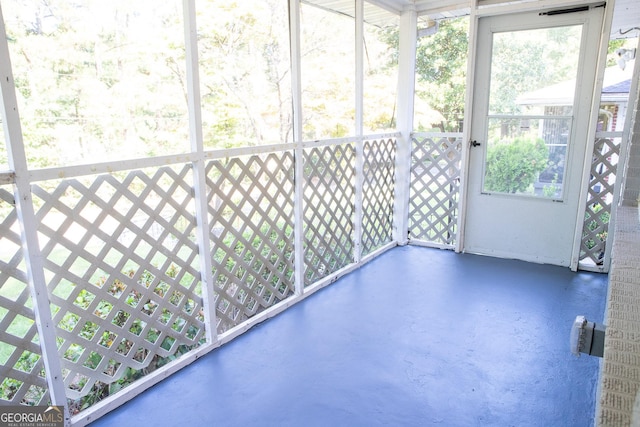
column 628, row 172
column 629, row 164
column 359, row 77
column 404, row 121
column 199, row 172
column 604, row 27
column 296, row 93
column 29, row 228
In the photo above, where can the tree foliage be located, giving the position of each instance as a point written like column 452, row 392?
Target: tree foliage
column 98, row 80
column 441, row 66
column 244, row 72
column 101, row 81
column 512, row 166
column 524, row 61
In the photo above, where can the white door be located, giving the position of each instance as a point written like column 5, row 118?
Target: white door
column 533, row 87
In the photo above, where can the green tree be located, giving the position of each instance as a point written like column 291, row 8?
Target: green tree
column 441, row 66
column 524, row 61
column 98, row 81
column 512, row 166
column 244, row 72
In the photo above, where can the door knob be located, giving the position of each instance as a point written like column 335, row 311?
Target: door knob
column 475, row 143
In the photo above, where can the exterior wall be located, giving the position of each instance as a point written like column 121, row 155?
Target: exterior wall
column 618, row 402
column 631, row 192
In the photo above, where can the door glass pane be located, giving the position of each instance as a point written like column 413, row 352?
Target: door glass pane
column 526, row 156
column 531, row 97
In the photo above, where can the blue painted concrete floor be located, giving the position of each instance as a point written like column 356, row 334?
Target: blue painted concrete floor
column 416, row 337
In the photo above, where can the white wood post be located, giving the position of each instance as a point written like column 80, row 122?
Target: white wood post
column 29, row 228
column 404, row 121
column 199, row 172
column 296, row 93
column 605, row 30
column 359, row 52
column 625, row 141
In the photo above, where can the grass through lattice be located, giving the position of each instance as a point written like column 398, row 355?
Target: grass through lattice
column 13, row 288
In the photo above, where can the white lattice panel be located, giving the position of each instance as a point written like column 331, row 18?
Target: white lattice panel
column 595, row 231
column 435, row 175
column 329, row 197
column 122, row 271
column 22, row 377
column 251, row 203
column 378, row 193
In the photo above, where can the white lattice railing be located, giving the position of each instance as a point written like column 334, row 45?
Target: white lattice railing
column 251, row 203
column 595, row 231
column 124, row 275
column 378, row 193
column 121, row 271
column 21, row 367
column 434, row 188
column 329, row 205
column 123, row 267
column 433, row 203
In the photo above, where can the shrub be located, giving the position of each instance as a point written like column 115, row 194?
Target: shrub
column 513, row 165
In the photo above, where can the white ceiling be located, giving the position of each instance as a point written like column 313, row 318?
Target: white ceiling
column 386, row 12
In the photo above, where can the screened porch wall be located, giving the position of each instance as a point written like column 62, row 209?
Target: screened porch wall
column 155, row 262
column 116, row 274
column 124, row 271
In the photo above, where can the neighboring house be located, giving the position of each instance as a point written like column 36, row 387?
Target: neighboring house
column 556, row 100
column 613, row 105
